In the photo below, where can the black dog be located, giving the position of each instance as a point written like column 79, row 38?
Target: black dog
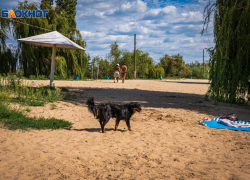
column 102, row 112
column 125, row 112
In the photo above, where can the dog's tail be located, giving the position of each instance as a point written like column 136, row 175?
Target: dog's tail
column 91, row 105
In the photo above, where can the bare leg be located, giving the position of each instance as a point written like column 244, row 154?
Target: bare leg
column 124, row 76
column 117, row 79
column 114, row 80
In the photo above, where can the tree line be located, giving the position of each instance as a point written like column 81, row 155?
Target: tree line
column 168, row 66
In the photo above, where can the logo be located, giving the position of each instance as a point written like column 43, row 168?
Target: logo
column 24, row 13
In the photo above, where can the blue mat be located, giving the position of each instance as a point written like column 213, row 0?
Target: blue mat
column 214, row 124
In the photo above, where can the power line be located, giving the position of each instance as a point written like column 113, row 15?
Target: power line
column 29, row 25
column 32, row 25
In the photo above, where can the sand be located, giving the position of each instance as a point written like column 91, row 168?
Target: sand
column 166, row 142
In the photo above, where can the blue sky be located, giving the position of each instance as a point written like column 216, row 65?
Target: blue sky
column 161, row 26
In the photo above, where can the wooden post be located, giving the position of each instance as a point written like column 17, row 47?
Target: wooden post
column 53, row 62
column 98, row 71
column 92, row 72
column 203, row 65
column 135, row 56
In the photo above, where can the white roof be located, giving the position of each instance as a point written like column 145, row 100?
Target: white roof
column 51, row 38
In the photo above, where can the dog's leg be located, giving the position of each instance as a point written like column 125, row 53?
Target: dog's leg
column 102, row 126
column 117, row 124
column 128, row 124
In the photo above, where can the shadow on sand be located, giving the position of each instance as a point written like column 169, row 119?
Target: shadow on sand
column 186, row 82
column 156, row 99
column 94, row 129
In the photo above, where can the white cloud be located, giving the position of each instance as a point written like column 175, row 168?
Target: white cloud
column 126, row 6
column 169, row 10
column 123, row 28
column 90, row 34
column 154, row 12
column 142, row 7
column 162, row 11
column 133, row 7
column 194, row 16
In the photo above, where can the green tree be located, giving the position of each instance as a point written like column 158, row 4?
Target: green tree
column 143, row 63
column 36, row 60
column 67, row 9
column 172, row 65
column 155, row 71
column 95, row 65
column 104, row 69
column 197, row 70
column 114, row 57
column 185, row 71
column 60, row 68
column 230, row 58
column 115, row 53
column 88, row 67
column 128, row 58
column 4, row 29
column 8, row 62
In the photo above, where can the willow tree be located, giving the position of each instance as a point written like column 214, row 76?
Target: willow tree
column 230, row 57
column 8, row 60
column 36, row 60
column 33, row 60
column 77, row 61
column 4, row 27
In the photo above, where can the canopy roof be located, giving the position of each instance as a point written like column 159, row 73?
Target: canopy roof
column 50, row 39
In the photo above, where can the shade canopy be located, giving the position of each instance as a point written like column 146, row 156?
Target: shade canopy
column 55, row 40
column 51, row 38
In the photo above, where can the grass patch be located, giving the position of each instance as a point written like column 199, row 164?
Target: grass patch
column 53, row 106
column 14, row 119
column 64, row 89
column 15, row 90
column 39, row 77
column 28, row 109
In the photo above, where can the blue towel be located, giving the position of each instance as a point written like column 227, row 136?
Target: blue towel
column 214, row 124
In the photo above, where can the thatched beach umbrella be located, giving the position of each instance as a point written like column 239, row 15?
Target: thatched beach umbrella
column 55, row 40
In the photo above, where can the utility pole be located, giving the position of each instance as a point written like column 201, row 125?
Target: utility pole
column 98, row 71
column 92, row 72
column 135, row 56
column 203, row 65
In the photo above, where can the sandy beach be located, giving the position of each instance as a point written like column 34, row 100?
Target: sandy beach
column 166, row 142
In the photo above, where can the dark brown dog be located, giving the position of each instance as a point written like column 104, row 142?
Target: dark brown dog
column 125, row 112
column 103, row 112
